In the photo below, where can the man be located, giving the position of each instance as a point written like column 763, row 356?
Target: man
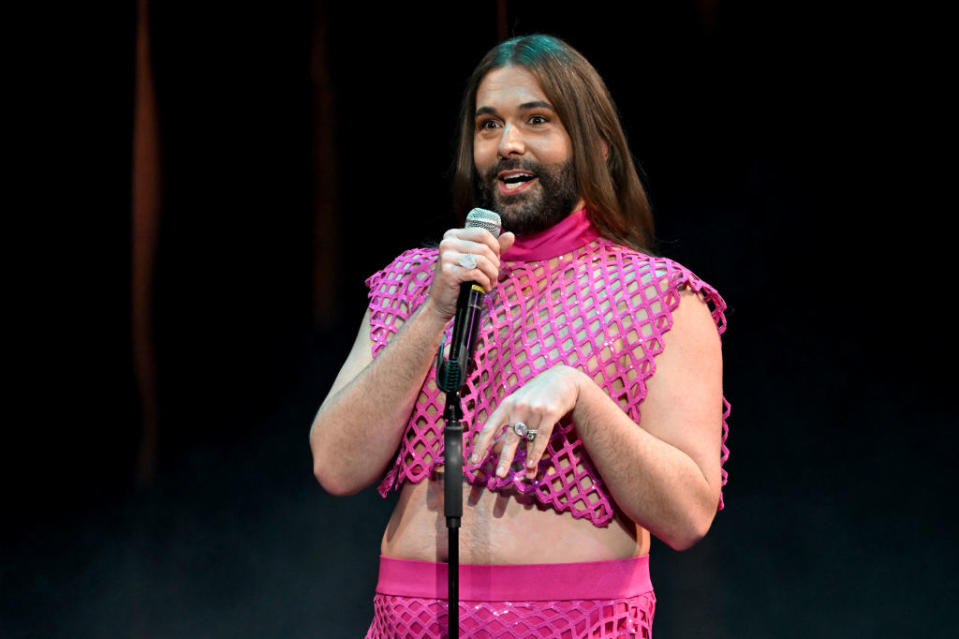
column 566, row 476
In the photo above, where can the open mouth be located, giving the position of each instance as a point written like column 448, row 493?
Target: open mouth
column 515, row 181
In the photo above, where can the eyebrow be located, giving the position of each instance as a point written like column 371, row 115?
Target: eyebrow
column 536, row 104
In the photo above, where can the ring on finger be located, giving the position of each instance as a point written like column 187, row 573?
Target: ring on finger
column 524, row 431
column 467, row 261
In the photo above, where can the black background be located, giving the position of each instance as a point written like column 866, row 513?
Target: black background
column 792, row 155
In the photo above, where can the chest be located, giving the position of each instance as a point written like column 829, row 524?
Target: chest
column 606, row 323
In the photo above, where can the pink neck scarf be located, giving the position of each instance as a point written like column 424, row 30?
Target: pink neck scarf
column 563, row 237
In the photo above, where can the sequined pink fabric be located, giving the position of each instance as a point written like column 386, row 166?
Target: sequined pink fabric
column 415, row 618
column 600, row 307
column 594, row 600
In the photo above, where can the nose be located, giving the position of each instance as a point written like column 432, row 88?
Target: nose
column 510, row 142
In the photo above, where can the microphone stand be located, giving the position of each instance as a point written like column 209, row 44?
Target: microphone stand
column 453, row 501
column 450, row 377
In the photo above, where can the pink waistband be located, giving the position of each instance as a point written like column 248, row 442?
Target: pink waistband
column 614, row 579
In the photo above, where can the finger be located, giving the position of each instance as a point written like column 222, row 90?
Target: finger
column 483, row 273
column 469, row 246
column 506, row 241
column 486, row 265
column 457, row 273
column 489, row 270
column 452, row 251
column 510, row 443
column 476, row 234
column 536, row 448
column 482, row 441
column 497, row 446
column 540, row 419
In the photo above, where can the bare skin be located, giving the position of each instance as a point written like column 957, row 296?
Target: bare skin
column 499, row 529
column 359, row 425
column 663, row 474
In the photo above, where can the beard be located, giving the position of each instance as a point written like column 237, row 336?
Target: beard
column 537, row 208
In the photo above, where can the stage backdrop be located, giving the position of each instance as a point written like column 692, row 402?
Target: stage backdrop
column 211, row 185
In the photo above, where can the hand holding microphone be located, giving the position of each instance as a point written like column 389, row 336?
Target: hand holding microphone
column 469, row 254
column 469, row 265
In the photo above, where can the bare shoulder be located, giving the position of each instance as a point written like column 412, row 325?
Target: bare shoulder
column 691, row 361
column 683, row 404
column 693, row 334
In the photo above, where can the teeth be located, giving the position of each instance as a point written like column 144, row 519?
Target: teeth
column 513, row 185
column 517, row 177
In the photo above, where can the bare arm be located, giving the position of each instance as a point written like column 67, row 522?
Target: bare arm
column 359, row 425
column 664, row 475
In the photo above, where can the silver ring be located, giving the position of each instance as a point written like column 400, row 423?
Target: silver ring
column 467, row 261
column 524, row 431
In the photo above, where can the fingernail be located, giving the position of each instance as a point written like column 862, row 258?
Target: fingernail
column 473, row 458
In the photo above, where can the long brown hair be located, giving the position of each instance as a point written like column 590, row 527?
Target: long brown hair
column 608, row 183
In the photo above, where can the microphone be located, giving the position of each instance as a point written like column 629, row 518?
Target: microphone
column 451, row 372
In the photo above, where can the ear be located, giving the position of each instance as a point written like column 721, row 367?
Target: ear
column 605, row 150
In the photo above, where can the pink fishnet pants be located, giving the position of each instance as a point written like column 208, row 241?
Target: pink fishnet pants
column 397, row 617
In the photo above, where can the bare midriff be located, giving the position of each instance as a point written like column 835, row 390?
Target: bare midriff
column 502, row 529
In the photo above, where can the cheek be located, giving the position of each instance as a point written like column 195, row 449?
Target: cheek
column 482, row 158
column 554, row 151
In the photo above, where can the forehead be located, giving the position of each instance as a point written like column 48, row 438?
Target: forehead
column 509, row 86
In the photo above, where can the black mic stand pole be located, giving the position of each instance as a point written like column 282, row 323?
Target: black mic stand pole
column 453, row 501
column 450, row 376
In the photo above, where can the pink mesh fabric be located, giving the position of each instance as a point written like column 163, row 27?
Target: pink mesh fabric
column 397, row 617
column 602, row 308
column 612, row 598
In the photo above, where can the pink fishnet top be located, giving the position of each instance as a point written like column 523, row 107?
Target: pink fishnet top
column 565, row 296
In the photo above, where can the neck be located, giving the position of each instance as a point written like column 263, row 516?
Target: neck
column 567, row 235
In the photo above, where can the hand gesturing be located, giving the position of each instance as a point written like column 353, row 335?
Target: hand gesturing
column 538, row 405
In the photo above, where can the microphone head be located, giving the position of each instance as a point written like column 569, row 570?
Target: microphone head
column 484, row 219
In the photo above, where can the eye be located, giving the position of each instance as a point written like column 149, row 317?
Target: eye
column 488, row 123
column 538, row 119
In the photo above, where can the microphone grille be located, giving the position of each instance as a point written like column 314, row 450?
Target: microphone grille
column 484, row 219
